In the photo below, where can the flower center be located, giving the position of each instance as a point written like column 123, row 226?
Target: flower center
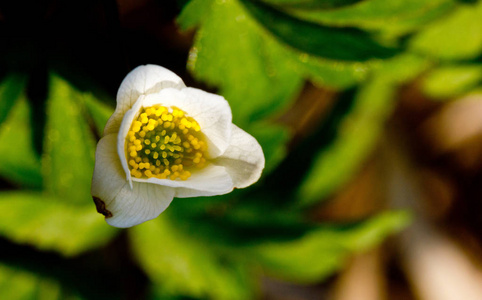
column 164, row 143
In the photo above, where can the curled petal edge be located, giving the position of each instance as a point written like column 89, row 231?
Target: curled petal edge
column 143, row 80
column 122, row 205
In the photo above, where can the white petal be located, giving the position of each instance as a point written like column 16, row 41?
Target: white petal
column 209, row 181
column 211, row 111
column 243, row 160
column 129, row 117
column 142, row 80
column 123, row 206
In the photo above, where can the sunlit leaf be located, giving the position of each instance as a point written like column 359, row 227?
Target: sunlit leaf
column 193, row 13
column 312, row 4
column 321, row 252
column 19, row 164
column 230, row 52
column 182, row 265
column 68, row 158
column 455, row 37
column 450, row 81
column 348, row 44
column 51, row 224
column 221, row 50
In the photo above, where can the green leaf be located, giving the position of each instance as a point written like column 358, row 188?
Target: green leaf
column 332, row 73
column 390, row 18
column 323, row 251
column 451, row 81
column 457, row 36
column 311, row 4
column 193, row 13
column 20, row 164
column 357, row 134
column 251, row 71
column 10, row 89
column 99, row 112
column 17, row 284
column 68, row 159
column 51, row 224
column 181, row 265
column 349, row 44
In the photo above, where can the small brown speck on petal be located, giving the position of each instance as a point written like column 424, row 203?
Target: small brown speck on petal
column 100, row 205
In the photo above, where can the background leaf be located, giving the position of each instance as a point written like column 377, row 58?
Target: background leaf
column 20, row 164
column 312, row 4
column 348, row 44
column 452, row 80
column 321, row 252
column 10, row 89
column 183, row 265
column 51, row 224
column 68, row 159
column 455, row 37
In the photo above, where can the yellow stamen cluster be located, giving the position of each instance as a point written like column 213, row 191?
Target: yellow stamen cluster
column 164, row 143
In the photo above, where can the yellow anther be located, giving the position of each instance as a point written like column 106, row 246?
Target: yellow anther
column 174, row 144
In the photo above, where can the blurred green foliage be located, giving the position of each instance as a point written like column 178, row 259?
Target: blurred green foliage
column 258, row 55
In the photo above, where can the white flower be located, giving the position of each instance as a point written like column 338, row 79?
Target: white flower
column 166, row 140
